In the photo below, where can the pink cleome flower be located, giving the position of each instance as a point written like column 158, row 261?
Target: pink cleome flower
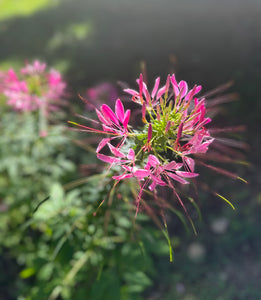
column 183, row 133
column 172, row 125
column 33, row 87
column 164, row 151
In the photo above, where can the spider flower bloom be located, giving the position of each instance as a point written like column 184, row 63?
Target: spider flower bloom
column 33, row 87
column 172, row 141
column 173, row 131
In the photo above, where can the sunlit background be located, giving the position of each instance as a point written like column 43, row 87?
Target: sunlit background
column 204, row 42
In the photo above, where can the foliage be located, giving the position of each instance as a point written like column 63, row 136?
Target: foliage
column 64, row 249
column 78, row 255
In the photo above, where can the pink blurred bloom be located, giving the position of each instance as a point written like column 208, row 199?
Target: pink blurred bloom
column 33, row 87
column 56, row 87
column 103, row 92
column 43, row 133
column 17, row 93
column 36, row 68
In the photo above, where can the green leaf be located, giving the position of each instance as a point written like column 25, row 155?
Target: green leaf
column 45, row 272
column 57, row 193
column 124, row 222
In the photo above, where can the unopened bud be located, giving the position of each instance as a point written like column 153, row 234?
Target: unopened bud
column 167, row 127
column 149, row 132
column 144, row 112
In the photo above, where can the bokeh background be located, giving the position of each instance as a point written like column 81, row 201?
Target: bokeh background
column 204, row 42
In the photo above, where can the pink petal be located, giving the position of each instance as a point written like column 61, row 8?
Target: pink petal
column 177, row 178
column 198, row 104
column 108, row 128
column 179, row 132
column 147, row 95
column 183, row 88
column 191, row 93
column 23, row 86
column 115, row 151
column 152, row 186
column 176, row 91
column 102, row 144
column 155, row 88
column 109, row 114
column 170, row 166
column 127, row 168
column 126, row 119
column 119, row 109
column 204, row 122
column 167, row 84
column 179, row 165
column 131, row 92
column 131, row 155
column 189, row 162
column 164, row 89
column 167, row 127
column 198, row 89
column 102, row 119
column 141, row 173
column 175, row 85
column 186, row 174
column 38, row 66
column 123, row 176
column 173, row 80
column 153, row 161
column 203, row 148
column 161, row 91
column 12, row 76
column 108, row 159
column 202, row 113
column 144, row 86
column 157, row 180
